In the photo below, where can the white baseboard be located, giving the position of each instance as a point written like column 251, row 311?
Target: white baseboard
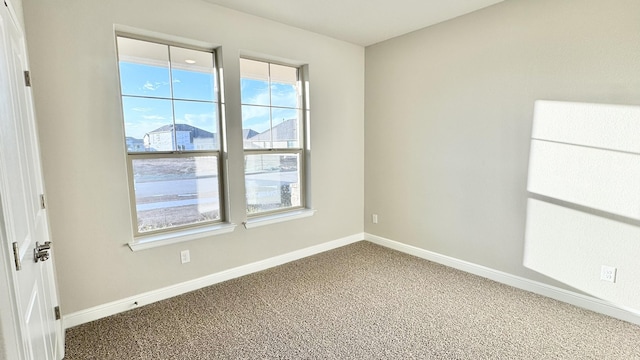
column 129, row 303
column 583, row 301
column 570, row 297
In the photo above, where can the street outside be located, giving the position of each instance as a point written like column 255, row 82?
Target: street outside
column 173, row 202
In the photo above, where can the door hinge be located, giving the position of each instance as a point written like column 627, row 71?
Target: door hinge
column 56, row 310
column 16, row 256
column 27, row 78
column 43, row 205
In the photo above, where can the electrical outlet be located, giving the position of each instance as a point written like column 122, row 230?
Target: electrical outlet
column 374, row 218
column 185, row 257
column 608, row 273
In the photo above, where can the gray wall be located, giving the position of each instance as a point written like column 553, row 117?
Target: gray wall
column 74, row 71
column 449, row 110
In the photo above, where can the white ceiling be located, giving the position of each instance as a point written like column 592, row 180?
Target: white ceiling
column 362, row 22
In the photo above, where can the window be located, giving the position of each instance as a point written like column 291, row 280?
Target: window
column 273, row 128
column 171, row 110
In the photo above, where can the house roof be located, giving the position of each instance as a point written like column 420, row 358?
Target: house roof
column 286, row 130
column 195, row 132
column 248, row 133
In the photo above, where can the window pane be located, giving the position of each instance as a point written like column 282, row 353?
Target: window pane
column 285, row 95
column 284, row 86
column 256, row 125
column 284, row 132
column 192, row 85
column 144, row 117
column 272, row 182
column 196, row 125
column 254, row 92
column 144, row 80
column 254, row 82
column 175, row 191
column 144, row 68
column 192, row 74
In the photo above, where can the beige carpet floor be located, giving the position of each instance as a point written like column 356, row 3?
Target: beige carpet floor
column 360, row 301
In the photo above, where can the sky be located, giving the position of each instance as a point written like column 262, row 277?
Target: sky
column 145, row 89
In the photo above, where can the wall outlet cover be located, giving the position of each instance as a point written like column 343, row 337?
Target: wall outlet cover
column 185, row 256
column 608, row 273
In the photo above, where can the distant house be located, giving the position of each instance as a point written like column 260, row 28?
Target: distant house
column 134, row 145
column 186, row 137
column 283, row 135
column 248, row 133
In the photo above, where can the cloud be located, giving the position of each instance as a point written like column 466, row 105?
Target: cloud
column 259, row 99
column 153, row 117
column 252, row 112
column 284, row 95
column 150, row 86
column 277, row 95
column 198, row 118
column 205, row 121
column 141, row 109
column 153, row 86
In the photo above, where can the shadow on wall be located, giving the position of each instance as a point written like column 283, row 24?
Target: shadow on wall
column 583, row 214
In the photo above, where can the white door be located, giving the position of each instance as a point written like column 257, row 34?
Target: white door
column 23, row 219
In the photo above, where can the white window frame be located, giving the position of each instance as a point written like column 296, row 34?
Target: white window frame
column 303, row 210
column 154, row 238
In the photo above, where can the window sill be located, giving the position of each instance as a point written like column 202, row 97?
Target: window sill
column 276, row 218
column 152, row 241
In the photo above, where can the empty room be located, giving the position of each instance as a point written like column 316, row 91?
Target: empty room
column 295, row 179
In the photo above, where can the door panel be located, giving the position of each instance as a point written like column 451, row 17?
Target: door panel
column 24, row 219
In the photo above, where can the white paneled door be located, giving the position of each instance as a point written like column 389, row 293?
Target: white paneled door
column 30, row 329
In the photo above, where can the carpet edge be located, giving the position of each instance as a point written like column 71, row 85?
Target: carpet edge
column 566, row 296
column 122, row 305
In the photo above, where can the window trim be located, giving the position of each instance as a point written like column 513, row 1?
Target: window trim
column 303, row 150
column 178, row 236
column 274, row 218
column 187, row 232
